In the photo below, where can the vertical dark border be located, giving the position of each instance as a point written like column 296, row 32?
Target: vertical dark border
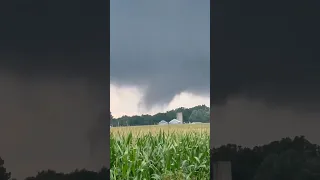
column 108, row 81
column 211, row 85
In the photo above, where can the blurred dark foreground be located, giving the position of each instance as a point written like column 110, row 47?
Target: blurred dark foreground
column 287, row 159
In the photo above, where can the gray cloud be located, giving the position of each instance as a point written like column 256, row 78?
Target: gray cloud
column 268, row 52
column 256, row 53
column 265, row 71
column 162, row 46
column 54, row 81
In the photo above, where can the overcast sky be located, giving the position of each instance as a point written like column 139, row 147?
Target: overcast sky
column 54, row 74
column 265, row 71
column 159, row 49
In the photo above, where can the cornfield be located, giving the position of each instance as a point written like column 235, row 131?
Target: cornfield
column 160, row 152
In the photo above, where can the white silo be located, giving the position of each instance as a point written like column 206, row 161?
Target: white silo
column 180, row 117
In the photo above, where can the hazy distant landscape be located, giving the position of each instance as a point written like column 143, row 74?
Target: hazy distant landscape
column 200, row 113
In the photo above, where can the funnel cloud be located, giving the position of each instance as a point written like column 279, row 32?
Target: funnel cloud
column 162, row 47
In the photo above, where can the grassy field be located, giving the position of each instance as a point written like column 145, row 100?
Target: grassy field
column 160, row 152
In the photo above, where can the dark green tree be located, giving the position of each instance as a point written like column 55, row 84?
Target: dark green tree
column 201, row 113
column 75, row 175
column 290, row 159
column 4, row 175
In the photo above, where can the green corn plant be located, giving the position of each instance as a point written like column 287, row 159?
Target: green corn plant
column 162, row 155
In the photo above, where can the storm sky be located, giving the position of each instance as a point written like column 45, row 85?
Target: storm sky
column 159, row 49
column 265, row 71
column 54, row 74
column 54, row 84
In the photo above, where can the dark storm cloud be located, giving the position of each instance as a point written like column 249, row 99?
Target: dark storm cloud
column 54, row 85
column 162, row 46
column 48, row 38
column 266, row 51
column 265, row 71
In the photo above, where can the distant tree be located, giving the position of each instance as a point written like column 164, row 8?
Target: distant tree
column 75, row 175
column 290, row 159
column 146, row 119
column 311, row 169
column 200, row 115
column 104, row 173
column 266, row 170
column 287, row 165
column 4, row 175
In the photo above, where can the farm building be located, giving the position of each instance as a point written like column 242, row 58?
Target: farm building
column 196, row 123
column 163, row 122
column 175, row 121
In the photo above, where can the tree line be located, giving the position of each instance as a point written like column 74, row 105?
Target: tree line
column 287, row 159
column 200, row 113
column 83, row 174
